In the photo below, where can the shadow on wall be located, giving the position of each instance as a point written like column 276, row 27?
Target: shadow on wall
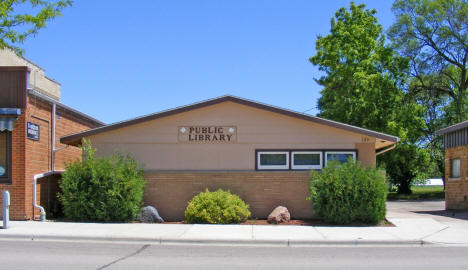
column 49, row 187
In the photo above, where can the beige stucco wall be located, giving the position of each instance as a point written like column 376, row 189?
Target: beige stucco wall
column 366, row 153
column 37, row 78
column 155, row 143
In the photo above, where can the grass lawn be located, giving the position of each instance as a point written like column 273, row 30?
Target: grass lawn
column 419, row 193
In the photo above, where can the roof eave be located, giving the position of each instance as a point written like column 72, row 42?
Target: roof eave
column 452, row 128
column 84, row 116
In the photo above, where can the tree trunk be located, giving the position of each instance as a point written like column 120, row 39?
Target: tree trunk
column 404, row 188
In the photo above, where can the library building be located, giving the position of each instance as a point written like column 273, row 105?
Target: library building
column 260, row 152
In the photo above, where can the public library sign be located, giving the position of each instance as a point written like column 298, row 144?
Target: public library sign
column 207, row 134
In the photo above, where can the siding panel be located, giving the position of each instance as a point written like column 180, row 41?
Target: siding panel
column 456, row 138
column 13, row 87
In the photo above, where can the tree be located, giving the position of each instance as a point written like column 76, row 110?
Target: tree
column 363, row 85
column 433, row 34
column 17, row 25
column 436, row 118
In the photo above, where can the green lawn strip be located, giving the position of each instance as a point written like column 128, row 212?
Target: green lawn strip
column 419, row 193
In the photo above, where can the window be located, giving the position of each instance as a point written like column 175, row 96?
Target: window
column 273, row 160
column 455, row 168
column 339, row 156
column 5, row 161
column 302, row 160
column 299, row 159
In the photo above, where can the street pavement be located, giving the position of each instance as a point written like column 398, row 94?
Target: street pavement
column 416, row 223
column 50, row 255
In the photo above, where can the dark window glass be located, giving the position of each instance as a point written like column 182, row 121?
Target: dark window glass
column 272, row 159
column 306, row 159
column 341, row 157
column 4, row 166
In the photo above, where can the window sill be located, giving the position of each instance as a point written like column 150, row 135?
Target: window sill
column 454, row 179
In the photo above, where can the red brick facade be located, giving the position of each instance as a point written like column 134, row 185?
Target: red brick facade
column 31, row 157
column 456, row 189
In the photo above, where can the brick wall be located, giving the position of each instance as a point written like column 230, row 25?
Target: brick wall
column 34, row 157
column 456, row 190
column 18, row 158
column 170, row 192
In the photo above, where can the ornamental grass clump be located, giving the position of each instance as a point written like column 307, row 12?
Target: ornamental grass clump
column 218, row 207
column 103, row 189
column 346, row 193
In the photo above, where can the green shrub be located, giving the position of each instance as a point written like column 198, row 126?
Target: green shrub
column 219, row 207
column 102, row 189
column 346, row 193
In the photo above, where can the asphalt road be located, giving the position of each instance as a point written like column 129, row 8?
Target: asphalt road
column 87, row 255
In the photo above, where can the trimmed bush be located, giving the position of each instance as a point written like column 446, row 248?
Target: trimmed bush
column 346, row 193
column 102, row 189
column 218, row 207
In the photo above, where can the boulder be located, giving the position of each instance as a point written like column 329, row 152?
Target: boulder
column 279, row 215
column 149, row 214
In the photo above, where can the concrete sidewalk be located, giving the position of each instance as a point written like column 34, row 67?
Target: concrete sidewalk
column 416, row 223
column 456, row 222
column 408, row 231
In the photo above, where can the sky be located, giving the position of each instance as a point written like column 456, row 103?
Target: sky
column 121, row 59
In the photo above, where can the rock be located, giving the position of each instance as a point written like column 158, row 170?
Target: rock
column 149, row 214
column 279, row 215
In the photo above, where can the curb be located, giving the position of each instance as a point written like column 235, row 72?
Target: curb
column 230, row 242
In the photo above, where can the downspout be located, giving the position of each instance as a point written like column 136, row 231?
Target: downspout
column 385, row 150
column 43, row 213
column 52, row 162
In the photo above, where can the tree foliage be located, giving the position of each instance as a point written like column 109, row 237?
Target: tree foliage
column 363, row 77
column 363, row 86
column 20, row 19
column 433, row 34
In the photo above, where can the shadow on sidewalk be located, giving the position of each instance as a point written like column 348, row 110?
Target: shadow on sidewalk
column 463, row 215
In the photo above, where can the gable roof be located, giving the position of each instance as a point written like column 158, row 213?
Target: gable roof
column 75, row 139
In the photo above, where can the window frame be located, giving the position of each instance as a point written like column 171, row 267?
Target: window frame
column 290, row 160
column 7, row 178
column 353, row 152
column 451, row 168
column 306, row 167
column 273, row 167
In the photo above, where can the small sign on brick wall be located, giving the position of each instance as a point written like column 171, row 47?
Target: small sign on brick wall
column 33, row 131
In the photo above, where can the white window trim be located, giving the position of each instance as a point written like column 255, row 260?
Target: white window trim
column 339, row 152
column 273, row 167
column 305, row 167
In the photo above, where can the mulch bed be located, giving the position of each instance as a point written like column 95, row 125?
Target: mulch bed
column 304, row 222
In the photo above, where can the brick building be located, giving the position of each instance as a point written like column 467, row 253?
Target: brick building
column 456, row 165
column 28, row 146
column 260, row 152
